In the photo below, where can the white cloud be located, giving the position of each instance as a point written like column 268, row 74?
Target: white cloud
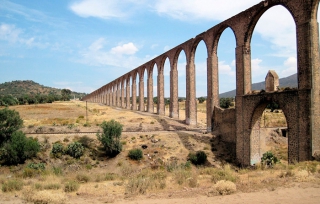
column 105, row 9
column 9, row 33
column 255, row 65
column 290, row 67
column 97, row 45
column 120, row 56
column 127, row 49
column 277, row 26
column 226, row 68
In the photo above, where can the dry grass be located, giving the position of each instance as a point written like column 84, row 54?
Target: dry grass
column 162, row 170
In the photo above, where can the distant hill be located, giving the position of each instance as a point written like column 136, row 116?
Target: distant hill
column 290, row 81
column 28, row 87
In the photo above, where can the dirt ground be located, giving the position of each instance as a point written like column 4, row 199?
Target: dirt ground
column 167, row 140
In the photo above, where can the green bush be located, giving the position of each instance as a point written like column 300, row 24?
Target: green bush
column 198, row 158
column 110, row 137
column 135, row 154
column 37, row 166
column 268, row 159
column 75, row 150
column 10, row 122
column 18, row 149
column 57, row 150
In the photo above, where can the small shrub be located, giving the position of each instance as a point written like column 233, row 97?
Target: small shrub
column 71, row 186
column 225, row 187
column 36, row 166
column 110, row 137
column 110, row 177
column 181, row 176
column 85, row 141
column 75, row 150
column 57, row 150
column 12, row 185
column 83, row 178
column 57, row 171
column 29, row 173
column 220, row 174
column 268, row 159
column 135, row 154
column 38, row 186
column 52, row 186
column 198, row 158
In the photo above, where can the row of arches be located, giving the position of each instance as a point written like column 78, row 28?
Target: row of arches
column 304, row 13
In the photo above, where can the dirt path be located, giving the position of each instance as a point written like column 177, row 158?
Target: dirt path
column 295, row 195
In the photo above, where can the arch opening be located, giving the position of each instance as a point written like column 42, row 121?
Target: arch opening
column 166, row 74
column 269, row 133
column 274, row 47
column 200, row 63
column 226, row 68
column 155, row 88
column 181, row 68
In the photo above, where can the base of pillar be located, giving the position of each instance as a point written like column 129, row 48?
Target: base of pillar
column 174, row 115
column 191, row 121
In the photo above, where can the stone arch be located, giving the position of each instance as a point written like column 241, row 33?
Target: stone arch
column 162, row 63
column 176, row 57
column 254, row 20
column 287, row 101
column 194, row 48
column 218, row 34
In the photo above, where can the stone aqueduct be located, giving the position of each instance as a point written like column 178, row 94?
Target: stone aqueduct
column 301, row 106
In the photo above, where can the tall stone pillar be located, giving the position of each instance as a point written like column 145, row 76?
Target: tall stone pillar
column 141, row 93
column 174, row 104
column 160, row 86
column 107, row 98
column 212, row 88
column 243, row 77
column 191, row 104
column 122, row 95
column 150, row 92
column 128, row 94
column 308, row 85
column 134, row 94
column 114, row 96
column 118, row 95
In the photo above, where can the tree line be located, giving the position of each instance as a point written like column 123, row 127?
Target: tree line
column 9, row 100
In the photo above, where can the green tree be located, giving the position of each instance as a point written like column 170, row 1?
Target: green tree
column 65, row 93
column 110, row 137
column 155, row 100
column 10, row 122
column 201, row 99
column 18, row 149
column 225, row 102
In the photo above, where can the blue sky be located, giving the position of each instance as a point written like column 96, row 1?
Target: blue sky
column 84, row 44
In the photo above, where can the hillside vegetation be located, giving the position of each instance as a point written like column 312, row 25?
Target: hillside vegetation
column 29, row 87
